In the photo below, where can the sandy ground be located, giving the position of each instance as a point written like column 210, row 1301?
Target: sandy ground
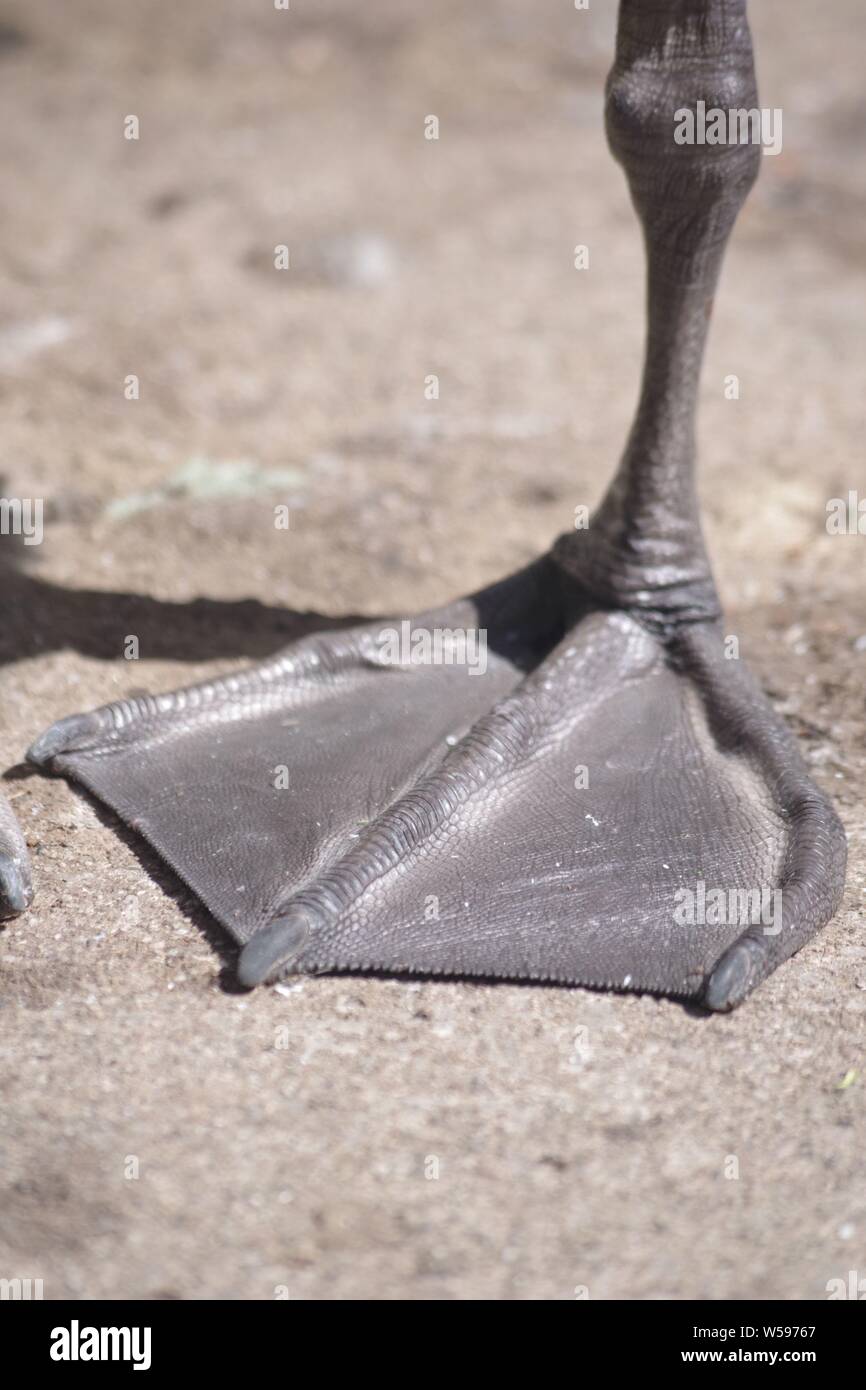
column 289, row 1140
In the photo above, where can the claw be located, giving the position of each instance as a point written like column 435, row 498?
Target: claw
column 16, row 892
column 733, row 976
column 67, row 734
column 273, row 949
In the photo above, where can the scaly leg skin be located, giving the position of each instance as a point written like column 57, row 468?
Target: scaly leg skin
column 16, row 891
column 549, row 818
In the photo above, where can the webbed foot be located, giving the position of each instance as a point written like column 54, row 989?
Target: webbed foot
column 566, row 815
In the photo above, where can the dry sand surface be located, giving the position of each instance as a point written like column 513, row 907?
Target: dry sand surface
column 583, row 1140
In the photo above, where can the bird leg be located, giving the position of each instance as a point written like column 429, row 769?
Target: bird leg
column 644, row 550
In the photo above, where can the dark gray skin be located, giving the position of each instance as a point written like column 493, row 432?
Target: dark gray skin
column 435, row 820
column 16, row 889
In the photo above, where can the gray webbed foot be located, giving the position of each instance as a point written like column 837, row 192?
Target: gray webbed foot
column 577, row 812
